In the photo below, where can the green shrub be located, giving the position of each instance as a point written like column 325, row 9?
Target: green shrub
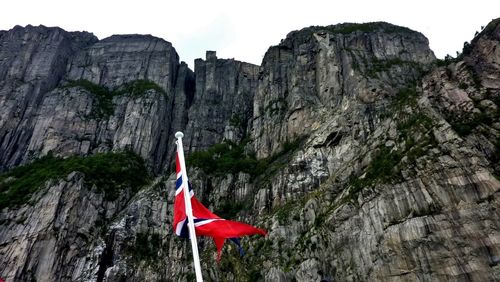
column 463, row 85
column 103, row 98
column 229, row 157
column 347, row 28
column 139, row 87
column 283, row 213
column 305, row 34
column 384, row 165
column 145, row 247
column 405, row 96
column 448, row 59
column 378, row 66
column 229, row 209
column 380, row 169
column 490, row 28
column 255, row 275
column 109, row 172
column 224, row 158
column 103, row 103
column 465, row 127
column 236, row 120
column 413, row 122
column 475, row 76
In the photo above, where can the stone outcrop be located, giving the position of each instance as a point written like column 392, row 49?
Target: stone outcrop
column 33, row 61
column 101, row 114
column 222, row 106
column 332, row 71
column 411, row 196
column 366, row 160
column 58, row 237
column 118, row 59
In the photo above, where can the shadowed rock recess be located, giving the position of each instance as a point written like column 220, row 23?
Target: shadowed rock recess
column 365, row 157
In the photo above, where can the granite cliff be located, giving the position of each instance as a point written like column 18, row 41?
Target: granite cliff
column 364, row 156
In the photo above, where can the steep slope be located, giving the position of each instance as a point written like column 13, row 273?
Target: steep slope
column 329, row 71
column 79, row 96
column 134, row 79
column 409, row 195
column 222, row 106
column 32, row 62
column 119, row 93
column 58, row 236
column 385, row 185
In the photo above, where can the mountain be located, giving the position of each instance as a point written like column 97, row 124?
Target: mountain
column 363, row 156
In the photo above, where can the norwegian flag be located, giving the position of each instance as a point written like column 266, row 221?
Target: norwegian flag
column 206, row 223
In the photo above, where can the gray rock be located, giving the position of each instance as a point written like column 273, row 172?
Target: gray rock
column 57, row 238
column 222, row 106
column 32, row 62
column 389, row 181
column 61, row 120
column 321, row 73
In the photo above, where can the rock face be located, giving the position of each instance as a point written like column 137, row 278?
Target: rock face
column 33, row 60
column 398, row 197
column 222, row 106
column 364, row 157
column 101, row 114
column 332, row 70
column 118, row 59
column 58, row 237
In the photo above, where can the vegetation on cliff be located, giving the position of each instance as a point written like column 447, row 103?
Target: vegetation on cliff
column 346, row 28
column 229, row 157
column 109, row 172
column 104, row 96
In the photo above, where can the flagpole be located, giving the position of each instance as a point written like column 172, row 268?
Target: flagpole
column 189, row 210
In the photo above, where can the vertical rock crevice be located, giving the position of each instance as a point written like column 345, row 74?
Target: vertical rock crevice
column 106, row 258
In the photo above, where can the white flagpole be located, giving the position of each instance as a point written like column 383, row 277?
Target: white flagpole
column 189, row 210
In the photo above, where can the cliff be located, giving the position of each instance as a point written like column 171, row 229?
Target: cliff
column 222, row 106
column 363, row 156
column 71, row 94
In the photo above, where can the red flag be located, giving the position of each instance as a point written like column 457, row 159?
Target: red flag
column 206, row 223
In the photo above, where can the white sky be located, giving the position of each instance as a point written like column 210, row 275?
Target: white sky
column 244, row 30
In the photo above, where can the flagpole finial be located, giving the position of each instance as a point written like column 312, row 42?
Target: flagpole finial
column 179, row 134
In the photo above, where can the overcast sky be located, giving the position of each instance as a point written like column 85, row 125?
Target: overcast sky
column 244, row 30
